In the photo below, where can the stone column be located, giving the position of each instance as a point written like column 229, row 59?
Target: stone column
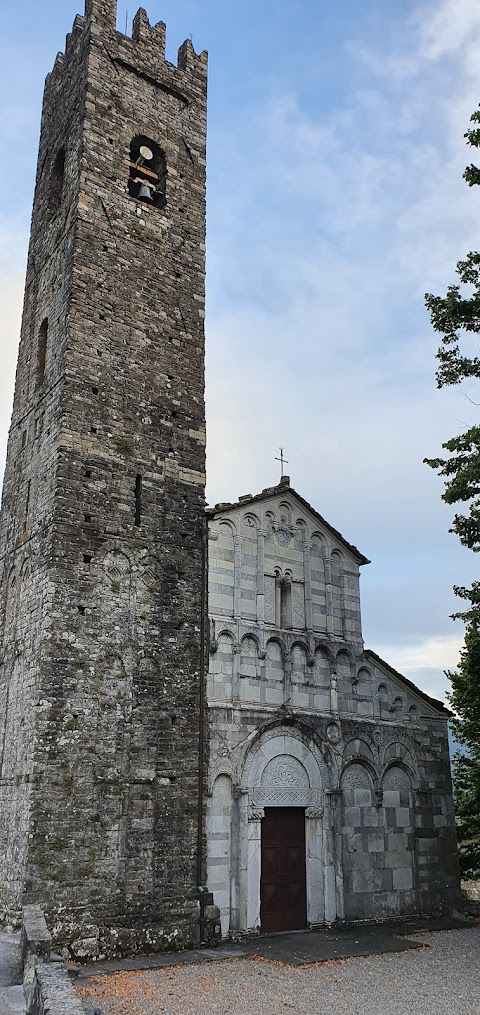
column 327, row 564
column 344, row 580
column 278, row 602
column 236, row 671
column 308, row 584
column 333, row 868
column 253, row 866
column 287, row 677
column 237, row 577
column 314, row 860
column 260, row 576
column 334, row 693
column 235, row 850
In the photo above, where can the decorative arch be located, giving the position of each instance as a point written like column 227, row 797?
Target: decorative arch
column 279, row 738
column 359, row 773
column 149, row 571
column 337, row 561
column 285, row 512
column 271, row 650
column 363, row 681
column 251, row 521
column 220, row 676
column 318, row 545
column 117, row 565
column 269, row 520
column 299, row 656
column 397, row 754
column 358, row 749
column 274, row 665
column 224, row 525
column 249, row 650
column 343, row 663
column 250, row 637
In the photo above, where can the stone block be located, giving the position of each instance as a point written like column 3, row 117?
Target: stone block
column 402, row 879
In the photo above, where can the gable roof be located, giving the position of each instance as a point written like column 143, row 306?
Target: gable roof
column 282, row 488
column 433, row 702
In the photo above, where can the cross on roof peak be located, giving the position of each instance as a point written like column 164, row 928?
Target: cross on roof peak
column 283, row 461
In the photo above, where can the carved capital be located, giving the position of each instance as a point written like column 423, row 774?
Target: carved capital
column 314, row 812
column 256, row 813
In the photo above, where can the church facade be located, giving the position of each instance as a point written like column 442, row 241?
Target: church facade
column 188, row 718
column 329, row 776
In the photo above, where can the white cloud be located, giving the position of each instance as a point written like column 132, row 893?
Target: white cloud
column 318, row 339
column 425, row 662
column 449, row 27
column 326, row 226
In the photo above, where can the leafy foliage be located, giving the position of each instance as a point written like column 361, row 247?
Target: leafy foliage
column 466, row 783
column 457, row 317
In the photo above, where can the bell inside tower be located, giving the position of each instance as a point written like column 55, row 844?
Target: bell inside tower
column 148, row 172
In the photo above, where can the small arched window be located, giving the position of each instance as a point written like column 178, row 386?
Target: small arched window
column 147, row 179
column 283, row 600
column 42, row 351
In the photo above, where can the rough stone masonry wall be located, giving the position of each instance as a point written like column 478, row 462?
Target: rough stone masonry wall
column 28, row 503
column 113, row 817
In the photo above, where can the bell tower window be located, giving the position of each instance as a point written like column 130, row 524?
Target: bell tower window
column 147, row 179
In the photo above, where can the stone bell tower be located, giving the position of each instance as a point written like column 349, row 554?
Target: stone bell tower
column 102, row 515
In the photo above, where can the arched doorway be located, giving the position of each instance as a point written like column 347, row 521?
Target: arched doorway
column 282, row 874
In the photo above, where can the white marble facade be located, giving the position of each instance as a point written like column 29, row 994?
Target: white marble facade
column 287, row 672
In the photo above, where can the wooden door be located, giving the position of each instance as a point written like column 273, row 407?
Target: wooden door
column 283, row 894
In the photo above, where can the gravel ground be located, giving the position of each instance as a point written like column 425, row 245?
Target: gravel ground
column 443, row 977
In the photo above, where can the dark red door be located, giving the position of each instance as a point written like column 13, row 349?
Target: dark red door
column 283, row 895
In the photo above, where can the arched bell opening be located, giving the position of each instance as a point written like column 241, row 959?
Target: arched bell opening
column 147, row 181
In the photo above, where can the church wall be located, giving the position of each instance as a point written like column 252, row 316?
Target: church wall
column 379, row 817
column 387, row 846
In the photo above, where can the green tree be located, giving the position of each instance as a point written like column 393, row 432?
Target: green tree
column 457, row 317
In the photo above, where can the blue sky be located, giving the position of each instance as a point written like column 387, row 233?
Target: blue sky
column 335, row 200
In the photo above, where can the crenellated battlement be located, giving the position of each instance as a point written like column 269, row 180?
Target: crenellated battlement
column 145, row 47
column 103, row 13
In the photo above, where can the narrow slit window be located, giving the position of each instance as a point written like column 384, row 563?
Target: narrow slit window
column 42, row 351
column 138, row 500
column 27, row 500
column 55, row 183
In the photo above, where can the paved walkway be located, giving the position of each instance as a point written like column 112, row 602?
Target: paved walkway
column 439, row 974
column 11, row 990
column 296, row 949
